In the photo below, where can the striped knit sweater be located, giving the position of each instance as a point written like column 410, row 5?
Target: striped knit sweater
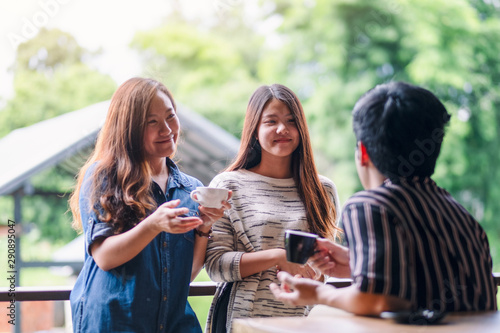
column 262, row 208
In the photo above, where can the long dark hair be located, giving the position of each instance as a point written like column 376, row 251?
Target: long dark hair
column 122, row 178
column 320, row 210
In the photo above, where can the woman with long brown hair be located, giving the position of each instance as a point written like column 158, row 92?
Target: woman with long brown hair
column 145, row 239
column 275, row 187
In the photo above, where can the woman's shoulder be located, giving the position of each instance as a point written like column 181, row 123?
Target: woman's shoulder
column 88, row 176
column 331, row 189
column 91, row 169
column 328, row 183
column 229, row 177
column 189, row 181
column 182, row 178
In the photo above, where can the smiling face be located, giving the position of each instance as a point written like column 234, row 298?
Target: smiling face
column 162, row 128
column 277, row 131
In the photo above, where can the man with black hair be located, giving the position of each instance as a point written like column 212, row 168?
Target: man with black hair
column 411, row 245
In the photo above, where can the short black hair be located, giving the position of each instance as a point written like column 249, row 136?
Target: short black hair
column 402, row 128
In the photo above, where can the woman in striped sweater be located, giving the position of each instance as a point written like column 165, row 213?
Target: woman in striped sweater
column 275, row 187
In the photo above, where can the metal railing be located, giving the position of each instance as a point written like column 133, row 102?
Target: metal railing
column 62, row 293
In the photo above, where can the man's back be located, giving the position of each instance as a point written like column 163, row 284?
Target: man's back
column 412, row 240
column 411, row 245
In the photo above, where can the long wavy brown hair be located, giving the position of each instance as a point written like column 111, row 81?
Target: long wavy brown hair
column 121, row 180
column 320, row 210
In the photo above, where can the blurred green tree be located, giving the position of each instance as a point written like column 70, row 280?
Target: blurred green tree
column 51, row 77
column 330, row 53
column 334, row 51
column 210, row 69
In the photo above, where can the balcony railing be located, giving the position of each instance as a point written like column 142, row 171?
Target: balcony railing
column 62, row 293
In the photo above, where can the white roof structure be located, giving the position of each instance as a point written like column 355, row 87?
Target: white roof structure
column 204, row 148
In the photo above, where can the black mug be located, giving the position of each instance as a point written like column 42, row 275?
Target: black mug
column 299, row 246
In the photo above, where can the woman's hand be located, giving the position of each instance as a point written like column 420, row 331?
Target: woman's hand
column 208, row 216
column 211, row 215
column 296, row 269
column 116, row 250
column 169, row 219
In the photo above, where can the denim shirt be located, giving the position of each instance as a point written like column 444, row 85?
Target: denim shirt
column 148, row 293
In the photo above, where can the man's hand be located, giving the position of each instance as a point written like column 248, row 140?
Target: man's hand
column 298, row 291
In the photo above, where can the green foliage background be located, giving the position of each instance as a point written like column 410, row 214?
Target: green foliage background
column 328, row 52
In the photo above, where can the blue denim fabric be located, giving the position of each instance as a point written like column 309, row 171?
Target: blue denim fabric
column 148, row 293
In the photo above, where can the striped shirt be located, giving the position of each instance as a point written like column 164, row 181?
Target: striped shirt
column 411, row 239
column 262, row 208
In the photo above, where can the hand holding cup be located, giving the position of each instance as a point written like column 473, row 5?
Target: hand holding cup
column 300, row 246
column 210, row 197
column 213, row 203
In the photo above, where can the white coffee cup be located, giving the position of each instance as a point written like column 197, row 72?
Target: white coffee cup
column 211, row 197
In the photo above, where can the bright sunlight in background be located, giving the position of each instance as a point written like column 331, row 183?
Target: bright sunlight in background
column 97, row 25
column 213, row 54
column 105, row 26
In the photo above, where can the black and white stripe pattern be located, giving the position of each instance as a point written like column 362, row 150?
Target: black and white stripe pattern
column 411, row 239
column 262, row 208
